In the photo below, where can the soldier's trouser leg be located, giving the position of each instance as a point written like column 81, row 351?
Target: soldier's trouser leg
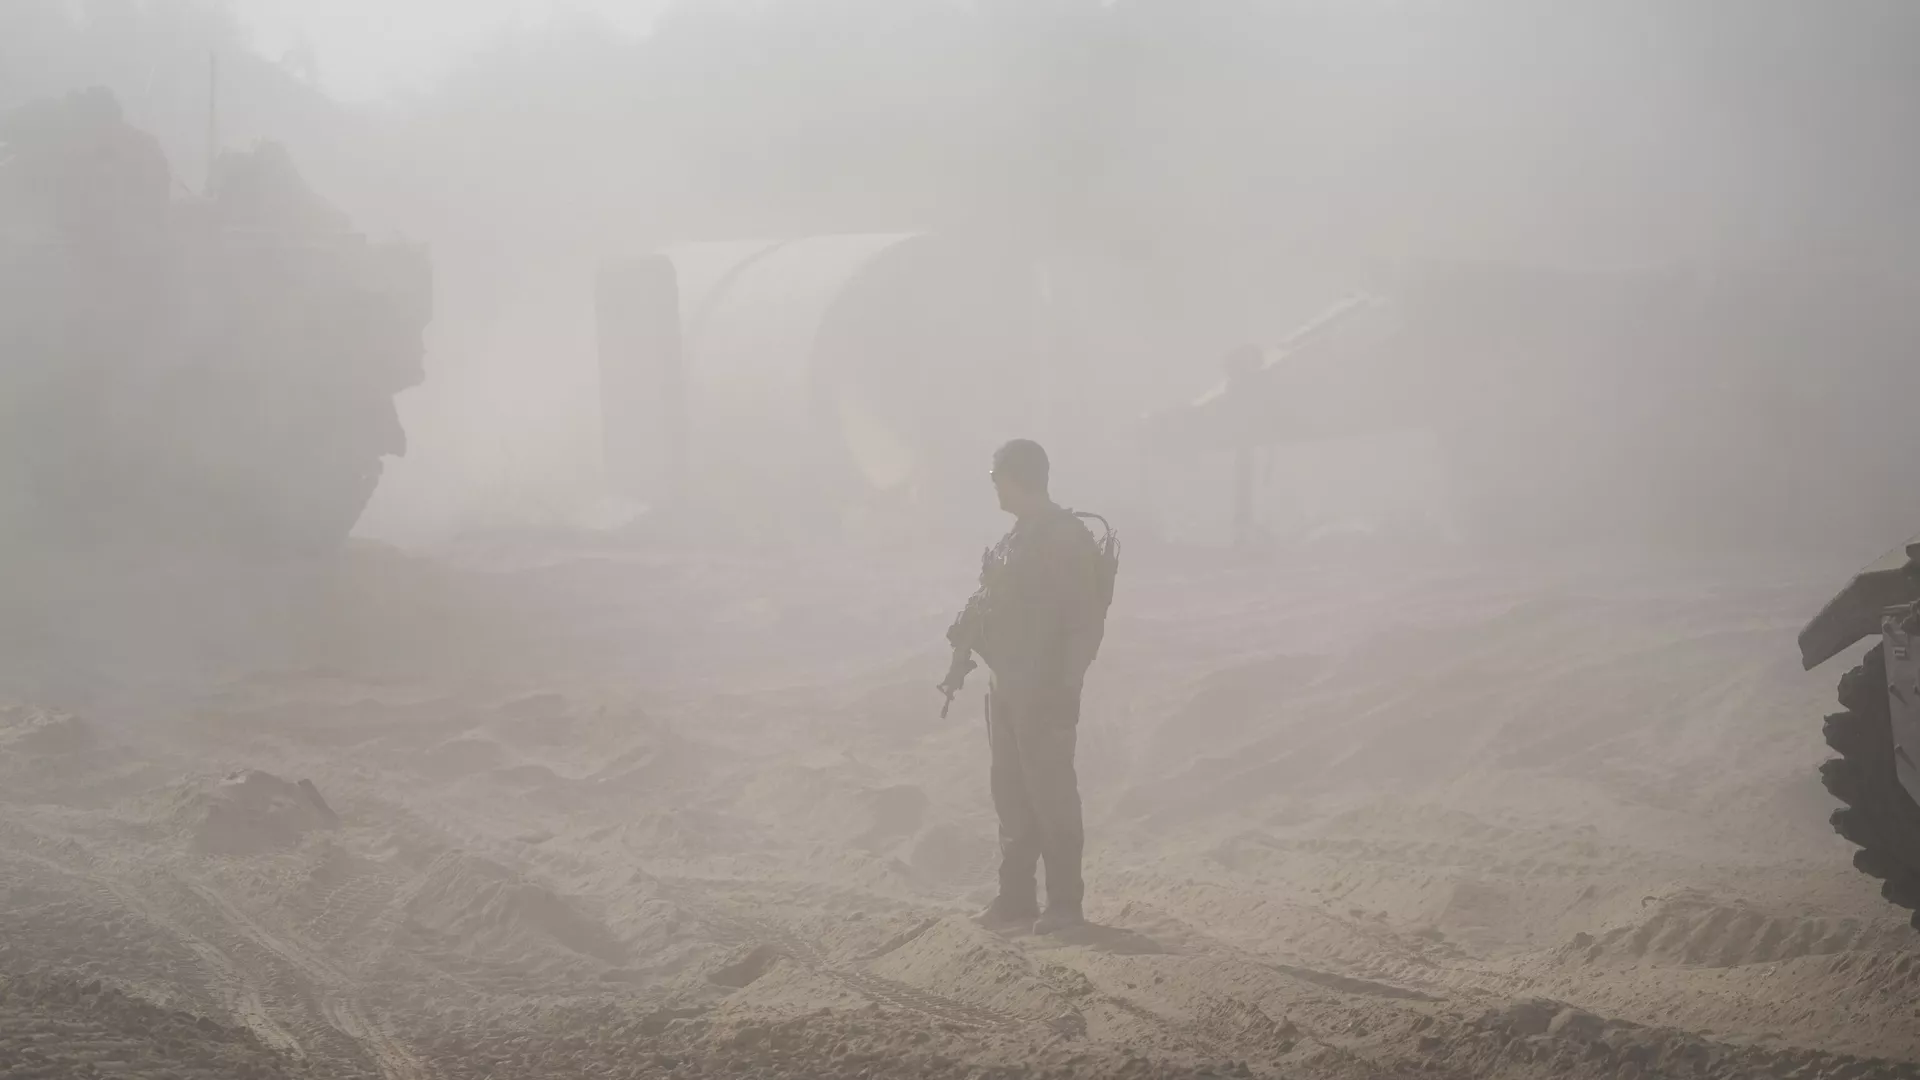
column 1036, row 794
column 1053, row 790
column 1019, row 831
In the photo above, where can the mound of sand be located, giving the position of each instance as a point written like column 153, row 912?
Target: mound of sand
column 696, row 1043
column 248, row 813
column 59, row 1028
column 29, row 729
column 972, row 966
column 686, row 831
column 480, row 909
column 1541, row 1037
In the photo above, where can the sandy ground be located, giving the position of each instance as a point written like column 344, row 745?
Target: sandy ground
column 608, row 814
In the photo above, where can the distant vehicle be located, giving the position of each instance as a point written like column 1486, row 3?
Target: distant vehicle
column 1657, row 408
column 212, row 372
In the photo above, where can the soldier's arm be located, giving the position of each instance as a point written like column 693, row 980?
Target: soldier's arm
column 963, row 634
column 967, row 621
column 965, row 627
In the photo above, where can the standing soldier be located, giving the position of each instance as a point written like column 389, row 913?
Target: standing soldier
column 1037, row 620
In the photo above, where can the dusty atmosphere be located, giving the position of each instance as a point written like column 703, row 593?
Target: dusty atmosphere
column 484, row 488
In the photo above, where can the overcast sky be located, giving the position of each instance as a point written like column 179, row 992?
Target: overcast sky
column 367, row 49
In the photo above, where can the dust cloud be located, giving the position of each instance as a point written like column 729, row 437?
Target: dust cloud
column 483, row 487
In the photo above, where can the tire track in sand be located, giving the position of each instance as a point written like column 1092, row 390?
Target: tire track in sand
column 230, row 984
column 338, row 992
column 241, row 992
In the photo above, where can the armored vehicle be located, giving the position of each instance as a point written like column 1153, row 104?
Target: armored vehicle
column 213, row 371
column 1877, row 731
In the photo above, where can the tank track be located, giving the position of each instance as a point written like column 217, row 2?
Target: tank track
column 1879, row 816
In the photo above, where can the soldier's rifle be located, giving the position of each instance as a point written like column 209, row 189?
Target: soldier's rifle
column 964, row 636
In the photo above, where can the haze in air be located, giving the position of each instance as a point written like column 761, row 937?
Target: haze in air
column 485, row 487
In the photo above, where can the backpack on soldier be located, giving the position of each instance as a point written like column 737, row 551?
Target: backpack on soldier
column 1109, row 559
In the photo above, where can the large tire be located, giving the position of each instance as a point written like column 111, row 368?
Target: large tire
column 1879, row 815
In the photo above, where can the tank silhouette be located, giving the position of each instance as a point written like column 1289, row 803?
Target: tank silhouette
column 210, row 372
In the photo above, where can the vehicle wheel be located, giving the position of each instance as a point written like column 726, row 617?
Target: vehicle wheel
column 1879, row 815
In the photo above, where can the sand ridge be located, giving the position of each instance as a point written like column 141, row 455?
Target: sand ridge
column 683, row 815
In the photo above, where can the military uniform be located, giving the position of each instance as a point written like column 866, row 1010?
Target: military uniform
column 1042, row 626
